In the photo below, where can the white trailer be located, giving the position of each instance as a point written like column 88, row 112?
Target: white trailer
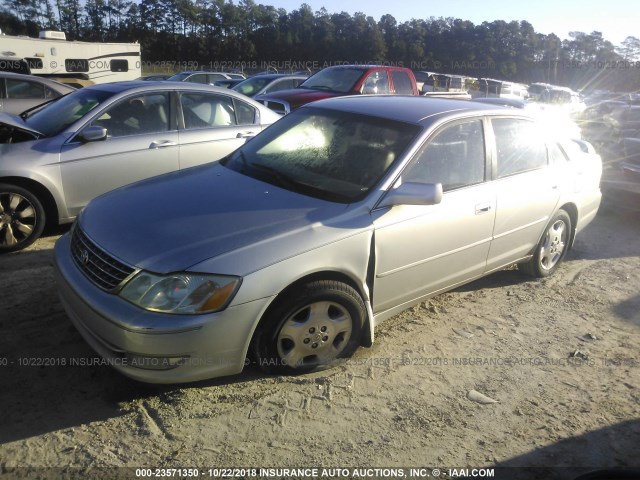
column 53, row 56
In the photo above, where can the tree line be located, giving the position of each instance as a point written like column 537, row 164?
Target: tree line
column 219, row 34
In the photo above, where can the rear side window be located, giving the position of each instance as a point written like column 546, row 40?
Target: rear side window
column 205, row 110
column 519, row 146
column 556, row 155
column 198, row 78
column 402, row 82
column 23, row 90
column 245, row 114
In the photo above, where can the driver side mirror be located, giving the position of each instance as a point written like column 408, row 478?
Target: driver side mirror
column 93, row 133
column 412, row 193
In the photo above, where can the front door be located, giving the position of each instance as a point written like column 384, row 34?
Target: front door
column 424, row 249
column 139, row 145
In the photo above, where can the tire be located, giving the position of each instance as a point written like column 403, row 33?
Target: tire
column 552, row 247
column 310, row 329
column 22, row 218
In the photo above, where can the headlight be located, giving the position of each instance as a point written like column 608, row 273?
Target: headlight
column 183, row 293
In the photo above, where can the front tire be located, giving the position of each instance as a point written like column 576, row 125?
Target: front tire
column 552, row 248
column 22, row 218
column 310, row 329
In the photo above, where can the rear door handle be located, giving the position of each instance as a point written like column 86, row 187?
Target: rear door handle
column 483, row 208
column 162, row 144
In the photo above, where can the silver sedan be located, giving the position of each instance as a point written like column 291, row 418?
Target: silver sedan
column 289, row 252
column 56, row 159
column 20, row 92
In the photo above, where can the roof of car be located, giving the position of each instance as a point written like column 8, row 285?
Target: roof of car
column 405, row 108
column 150, row 84
column 277, row 75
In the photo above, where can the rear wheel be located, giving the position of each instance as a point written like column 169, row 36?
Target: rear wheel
column 21, row 218
column 552, row 248
column 310, row 329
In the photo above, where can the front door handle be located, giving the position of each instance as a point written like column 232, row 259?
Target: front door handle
column 483, row 208
column 162, row 144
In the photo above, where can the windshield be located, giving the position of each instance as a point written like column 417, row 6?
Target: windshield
column 253, row 85
column 331, row 155
column 57, row 116
column 339, row 80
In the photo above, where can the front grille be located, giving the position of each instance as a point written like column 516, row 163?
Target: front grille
column 100, row 267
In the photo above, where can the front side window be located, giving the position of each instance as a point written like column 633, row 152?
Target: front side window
column 520, row 146
column 331, row 155
column 136, row 115
column 454, row 157
column 377, row 83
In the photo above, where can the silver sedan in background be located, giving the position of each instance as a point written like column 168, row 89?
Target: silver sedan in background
column 56, row 159
column 20, row 92
column 269, row 83
column 291, row 250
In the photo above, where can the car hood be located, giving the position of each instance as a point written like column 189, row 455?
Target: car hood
column 299, row 96
column 16, row 122
column 176, row 221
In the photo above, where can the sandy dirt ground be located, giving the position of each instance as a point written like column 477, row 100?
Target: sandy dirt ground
column 559, row 356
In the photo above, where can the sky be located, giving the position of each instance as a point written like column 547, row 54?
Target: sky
column 616, row 20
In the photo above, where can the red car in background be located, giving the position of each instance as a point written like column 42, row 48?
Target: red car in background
column 343, row 80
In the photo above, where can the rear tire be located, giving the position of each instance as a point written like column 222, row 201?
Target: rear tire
column 311, row 329
column 552, row 247
column 22, row 218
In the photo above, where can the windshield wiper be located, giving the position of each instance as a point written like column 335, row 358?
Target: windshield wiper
column 282, row 178
column 24, row 115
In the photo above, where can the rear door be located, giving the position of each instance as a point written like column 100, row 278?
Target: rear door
column 423, row 249
column 527, row 189
column 212, row 125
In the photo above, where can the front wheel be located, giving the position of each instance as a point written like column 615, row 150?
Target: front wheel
column 310, row 329
column 21, row 218
column 552, row 248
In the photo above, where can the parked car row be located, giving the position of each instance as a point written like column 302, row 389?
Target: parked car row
column 55, row 159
